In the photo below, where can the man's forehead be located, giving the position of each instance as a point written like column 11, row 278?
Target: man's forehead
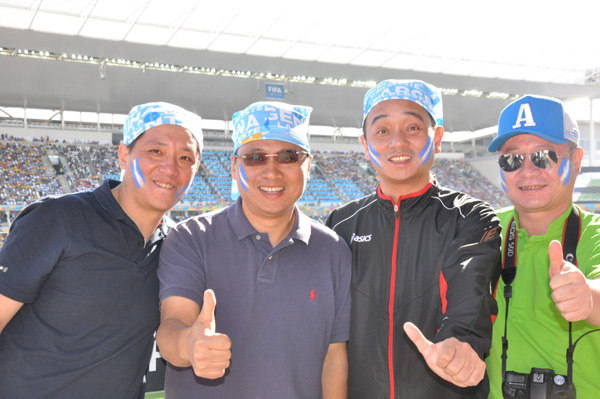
column 262, row 145
column 162, row 135
column 527, row 140
column 396, row 107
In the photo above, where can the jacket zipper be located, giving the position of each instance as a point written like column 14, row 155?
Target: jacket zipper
column 391, row 302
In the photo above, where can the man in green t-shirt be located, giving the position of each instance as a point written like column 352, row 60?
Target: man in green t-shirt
column 539, row 161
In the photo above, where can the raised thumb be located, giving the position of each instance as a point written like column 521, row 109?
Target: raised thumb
column 555, row 253
column 417, row 337
column 207, row 314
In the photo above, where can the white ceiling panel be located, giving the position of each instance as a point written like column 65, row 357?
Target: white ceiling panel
column 163, row 13
column 192, row 39
column 546, row 75
column 467, row 38
column 118, row 10
column 304, row 51
column 372, row 58
column 18, row 18
column 231, row 44
column 464, row 67
column 339, row 55
column 57, row 23
column 73, row 7
column 213, row 19
column 571, row 77
column 269, row 48
column 519, row 72
column 492, row 70
column 149, row 34
column 434, row 64
column 405, row 61
column 105, row 29
column 289, row 27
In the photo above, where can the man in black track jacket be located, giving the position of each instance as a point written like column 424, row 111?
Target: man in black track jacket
column 422, row 260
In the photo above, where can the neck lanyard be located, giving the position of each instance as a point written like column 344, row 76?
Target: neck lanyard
column 570, row 238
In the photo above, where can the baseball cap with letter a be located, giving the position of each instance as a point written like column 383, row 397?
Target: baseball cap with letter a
column 542, row 116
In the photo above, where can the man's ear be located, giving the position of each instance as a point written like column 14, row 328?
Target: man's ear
column 233, row 168
column 363, row 141
column 577, row 159
column 437, row 138
column 123, row 152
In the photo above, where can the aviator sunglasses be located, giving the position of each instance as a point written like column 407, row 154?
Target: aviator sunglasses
column 545, row 159
column 282, row 157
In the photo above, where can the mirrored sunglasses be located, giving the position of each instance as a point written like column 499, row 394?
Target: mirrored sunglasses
column 282, row 157
column 545, row 159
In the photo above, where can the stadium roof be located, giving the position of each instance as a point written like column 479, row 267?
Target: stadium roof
column 209, row 56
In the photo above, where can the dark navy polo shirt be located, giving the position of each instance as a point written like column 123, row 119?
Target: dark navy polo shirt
column 90, row 289
column 281, row 306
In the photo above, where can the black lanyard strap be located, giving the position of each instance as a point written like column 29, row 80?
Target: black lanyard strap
column 570, row 238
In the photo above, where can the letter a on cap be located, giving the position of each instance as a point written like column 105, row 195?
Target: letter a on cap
column 524, row 115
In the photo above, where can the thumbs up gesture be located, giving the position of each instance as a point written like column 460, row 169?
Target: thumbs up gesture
column 453, row 360
column 208, row 351
column 570, row 289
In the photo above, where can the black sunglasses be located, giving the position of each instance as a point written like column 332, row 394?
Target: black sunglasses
column 282, row 157
column 545, row 159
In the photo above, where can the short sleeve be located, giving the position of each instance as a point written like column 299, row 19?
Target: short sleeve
column 180, row 269
column 35, row 244
column 341, row 326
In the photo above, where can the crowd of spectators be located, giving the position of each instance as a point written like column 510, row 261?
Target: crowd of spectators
column 23, row 177
column 104, row 159
column 460, row 175
column 82, row 176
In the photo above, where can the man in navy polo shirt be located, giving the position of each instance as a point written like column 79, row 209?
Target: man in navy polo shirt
column 282, row 281
column 78, row 283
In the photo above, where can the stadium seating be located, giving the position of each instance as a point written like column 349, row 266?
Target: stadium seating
column 336, row 178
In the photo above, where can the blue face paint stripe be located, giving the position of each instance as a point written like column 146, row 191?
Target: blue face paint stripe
column 243, row 178
column 179, row 194
column 566, row 175
column 374, row 155
column 134, row 175
column 139, row 170
column 562, row 166
column 503, row 182
column 426, row 152
column 138, row 177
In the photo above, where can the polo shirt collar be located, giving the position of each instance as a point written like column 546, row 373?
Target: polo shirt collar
column 242, row 227
column 108, row 201
column 555, row 229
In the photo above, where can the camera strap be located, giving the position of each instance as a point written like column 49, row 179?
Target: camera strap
column 570, row 238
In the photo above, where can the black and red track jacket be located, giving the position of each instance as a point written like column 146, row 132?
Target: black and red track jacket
column 428, row 258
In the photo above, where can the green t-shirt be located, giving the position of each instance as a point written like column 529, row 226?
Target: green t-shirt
column 538, row 335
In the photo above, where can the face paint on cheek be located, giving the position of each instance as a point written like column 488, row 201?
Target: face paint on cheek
column 503, row 181
column 374, row 156
column 179, row 194
column 565, row 171
column 426, row 152
column 243, row 178
column 138, row 176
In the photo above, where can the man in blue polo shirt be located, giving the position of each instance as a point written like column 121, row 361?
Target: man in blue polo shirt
column 281, row 324
column 78, row 283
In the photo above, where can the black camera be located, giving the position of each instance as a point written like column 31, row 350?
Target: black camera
column 539, row 384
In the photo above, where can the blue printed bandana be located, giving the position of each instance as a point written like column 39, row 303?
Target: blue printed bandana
column 145, row 116
column 417, row 91
column 272, row 121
